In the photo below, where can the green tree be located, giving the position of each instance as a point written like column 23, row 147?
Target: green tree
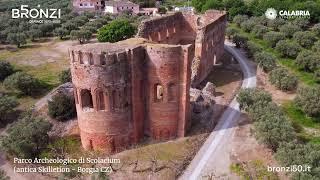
column 26, row 137
column 7, row 105
column 288, row 48
column 307, row 100
column 276, row 23
column 6, row 69
column 252, row 48
column 248, row 25
column 316, row 75
column 305, row 38
column 316, row 47
column 266, row 61
column 238, row 19
column 273, row 37
column 65, row 76
column 117, row 30
column 230, row 32
column 17, row 39
column 22, row 82
column 308, row 60
column 289, row 29
column 283, row 80
column 239, row 40
column 316, row 29
column 248, row 97
column 61, row 32
column 259, row 30
column 81, row 35
column 62, row 107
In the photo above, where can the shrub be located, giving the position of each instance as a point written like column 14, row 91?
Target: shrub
column 308, row 100
column 247, row 26
column 81, row 35
column 305, row 39
column 117, row 30
column 62, row 107
column 273, row 129
column 316, row 47
column 22, row 82
column 308, row 60
column 316, row 75
column 266, row 61
column 17, row 39
column 238, row 19
column 294, row 153
column 253, row 48
column 300, row 22
column 26, row 137
column 230, row 32
column 259, row 30
column 248, row 97
column 65, row 76
column 273, row 37
column 61, row 32
column 7, row 105
column 239, row 40
column 288, row 48
column 289, row 29
column 283, row 80
column 316, row 29
column 6, row 69
column 276, row 23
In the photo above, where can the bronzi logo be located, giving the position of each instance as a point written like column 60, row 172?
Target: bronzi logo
column 35, row 13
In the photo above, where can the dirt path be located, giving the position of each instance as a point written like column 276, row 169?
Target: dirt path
column 214, row 155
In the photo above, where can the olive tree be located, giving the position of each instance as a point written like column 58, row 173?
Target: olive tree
column 308, row 60
column 22, row 82
column 288, row 48
column 239, row 40
column 307, row 100
column 289, row 29
column 62, row 107
column 252, row 48
column 305, row 38
column 17, row 39
column 276, row 23
column 230, row 32
column 272, row 37
column 81, row 35
column 248, row 25
column 248, row 97
column 266, row 61
column 259, row 30
column 283, row 80
column 316, row 47
column 316, row 29
column 7, row 105
column 26, row 137
column 6, row 69
column 238, row 19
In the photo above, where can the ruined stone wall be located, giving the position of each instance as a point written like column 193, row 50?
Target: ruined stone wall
column 168, row 70
column 102, row 84
column 209, row 44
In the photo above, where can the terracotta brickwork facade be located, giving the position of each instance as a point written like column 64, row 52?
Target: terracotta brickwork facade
column 137, row 87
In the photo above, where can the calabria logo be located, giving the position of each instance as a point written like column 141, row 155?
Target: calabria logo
column 271, row 13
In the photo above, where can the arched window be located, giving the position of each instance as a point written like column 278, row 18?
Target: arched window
column 100, row 100
column 80, row 58
column 158, row 93
column 172, row 92
column 86, row 99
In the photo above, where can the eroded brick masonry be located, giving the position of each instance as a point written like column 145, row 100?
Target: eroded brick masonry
column 140, row 86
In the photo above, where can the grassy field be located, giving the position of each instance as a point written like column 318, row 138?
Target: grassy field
column 44, row 60
column 308, row 129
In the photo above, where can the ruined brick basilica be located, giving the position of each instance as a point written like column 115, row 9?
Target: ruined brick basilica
column 140, row 87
